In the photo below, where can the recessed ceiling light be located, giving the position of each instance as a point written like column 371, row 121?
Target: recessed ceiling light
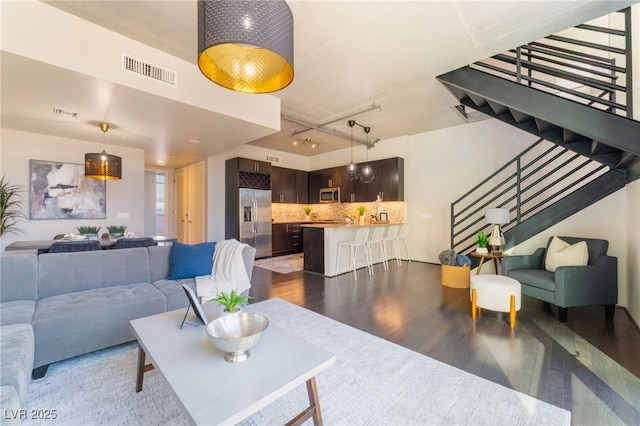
column 194, row 141
column 160, row 162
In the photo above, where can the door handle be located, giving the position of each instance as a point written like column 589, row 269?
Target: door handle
column 255, row 216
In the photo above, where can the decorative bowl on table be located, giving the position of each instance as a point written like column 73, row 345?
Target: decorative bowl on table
column 235, row 334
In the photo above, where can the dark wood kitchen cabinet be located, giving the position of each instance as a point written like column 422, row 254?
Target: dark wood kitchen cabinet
column 289, row 186
column 286, row 238
column 302, row 187
column 325, row 178
column 388, row 182
column 254, row 166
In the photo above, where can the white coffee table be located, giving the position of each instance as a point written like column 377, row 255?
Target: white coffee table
column 212, row 391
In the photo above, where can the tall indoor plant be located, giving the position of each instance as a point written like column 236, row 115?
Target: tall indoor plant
column 10, row 208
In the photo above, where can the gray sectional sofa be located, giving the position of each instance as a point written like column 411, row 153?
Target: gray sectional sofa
column 60, row 305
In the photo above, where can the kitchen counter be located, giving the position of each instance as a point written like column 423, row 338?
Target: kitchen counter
column 343, row 225
column 308, row 222
column 320, row 244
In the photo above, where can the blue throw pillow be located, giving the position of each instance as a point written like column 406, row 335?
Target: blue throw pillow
column 189, row 261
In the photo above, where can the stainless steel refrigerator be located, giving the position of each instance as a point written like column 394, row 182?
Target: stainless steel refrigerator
column 255, row 219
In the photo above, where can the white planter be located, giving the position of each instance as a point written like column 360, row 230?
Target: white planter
column 482, row 250
column 361, row 220
column 237, row 311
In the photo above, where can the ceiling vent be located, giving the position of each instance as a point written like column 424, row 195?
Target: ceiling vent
column 149, row 70
column 273, row 158
column 61, row 111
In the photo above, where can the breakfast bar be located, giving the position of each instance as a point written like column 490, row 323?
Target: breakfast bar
column 320, row 242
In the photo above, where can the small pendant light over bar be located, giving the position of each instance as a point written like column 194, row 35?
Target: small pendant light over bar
column 352, row 170
column 102, row 165
column 367, row 173
column 246, row 45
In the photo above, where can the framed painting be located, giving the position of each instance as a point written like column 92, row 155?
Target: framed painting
column 61, row 191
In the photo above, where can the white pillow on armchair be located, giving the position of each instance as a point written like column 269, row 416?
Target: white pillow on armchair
column 561, row 253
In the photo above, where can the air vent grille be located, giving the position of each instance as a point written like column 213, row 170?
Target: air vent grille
column 273, row 158
column 149, row 70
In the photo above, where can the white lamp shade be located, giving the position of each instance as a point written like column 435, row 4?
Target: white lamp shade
column 496, row 216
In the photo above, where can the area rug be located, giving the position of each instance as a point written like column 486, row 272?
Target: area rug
column 374, row 382
column 283, row 264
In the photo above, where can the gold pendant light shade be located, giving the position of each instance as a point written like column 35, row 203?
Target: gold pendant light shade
column 246, row 46
column 102, row 166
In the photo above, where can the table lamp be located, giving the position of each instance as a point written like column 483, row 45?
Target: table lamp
column 496, row 217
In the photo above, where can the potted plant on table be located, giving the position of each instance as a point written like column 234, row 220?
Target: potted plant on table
column 482, row 242
column 232, row 302
column 116, row 231
column 361, row 210
column 10, row 212
column 307, row 212
column 91, row 232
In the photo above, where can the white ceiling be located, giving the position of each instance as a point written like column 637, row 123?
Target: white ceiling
column 374, row 62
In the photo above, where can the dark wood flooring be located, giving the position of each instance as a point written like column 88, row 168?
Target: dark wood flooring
column 587, row 365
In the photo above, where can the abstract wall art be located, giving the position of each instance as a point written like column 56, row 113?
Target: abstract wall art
column 61, row 191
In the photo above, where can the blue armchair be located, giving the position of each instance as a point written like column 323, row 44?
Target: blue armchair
column 593, row 284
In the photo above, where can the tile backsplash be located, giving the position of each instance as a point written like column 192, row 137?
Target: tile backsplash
column 281, row 212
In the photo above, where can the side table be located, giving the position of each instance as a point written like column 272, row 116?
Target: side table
column 496, row 258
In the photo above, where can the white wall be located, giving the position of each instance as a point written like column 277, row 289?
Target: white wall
column 632, row 289
column 123, row 196
column 443, row 166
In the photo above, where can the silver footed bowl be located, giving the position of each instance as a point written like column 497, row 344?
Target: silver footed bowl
column 235, row 334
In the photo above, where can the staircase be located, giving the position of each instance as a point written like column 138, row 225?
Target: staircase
column 575, row 95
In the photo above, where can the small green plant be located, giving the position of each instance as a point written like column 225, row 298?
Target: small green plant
column 482, row 240
column 307, row 211
column 361, row 210
column 10, row 208
column 231, row 301
column 88, row 230
column 115, row 229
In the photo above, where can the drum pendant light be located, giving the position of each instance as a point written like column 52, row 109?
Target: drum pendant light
column 102, row 165
column 246, row 45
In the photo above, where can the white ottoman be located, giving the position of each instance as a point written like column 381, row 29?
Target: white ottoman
column 496, row 293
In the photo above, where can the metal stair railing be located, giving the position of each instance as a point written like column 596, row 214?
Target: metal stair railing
column 569, row 66
column 535, row 179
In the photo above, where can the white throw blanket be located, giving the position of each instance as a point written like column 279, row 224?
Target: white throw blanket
column 228, row 272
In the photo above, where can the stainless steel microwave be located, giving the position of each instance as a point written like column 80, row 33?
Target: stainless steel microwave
column 330, row 195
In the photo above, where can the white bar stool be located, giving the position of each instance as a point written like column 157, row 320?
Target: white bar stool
column 391, row 237
column 402, row 236
column 361, row 241
column 378, row 238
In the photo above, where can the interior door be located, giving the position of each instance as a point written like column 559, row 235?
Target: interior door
column 190, row 204
column 196, row 204
column 181, row 204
